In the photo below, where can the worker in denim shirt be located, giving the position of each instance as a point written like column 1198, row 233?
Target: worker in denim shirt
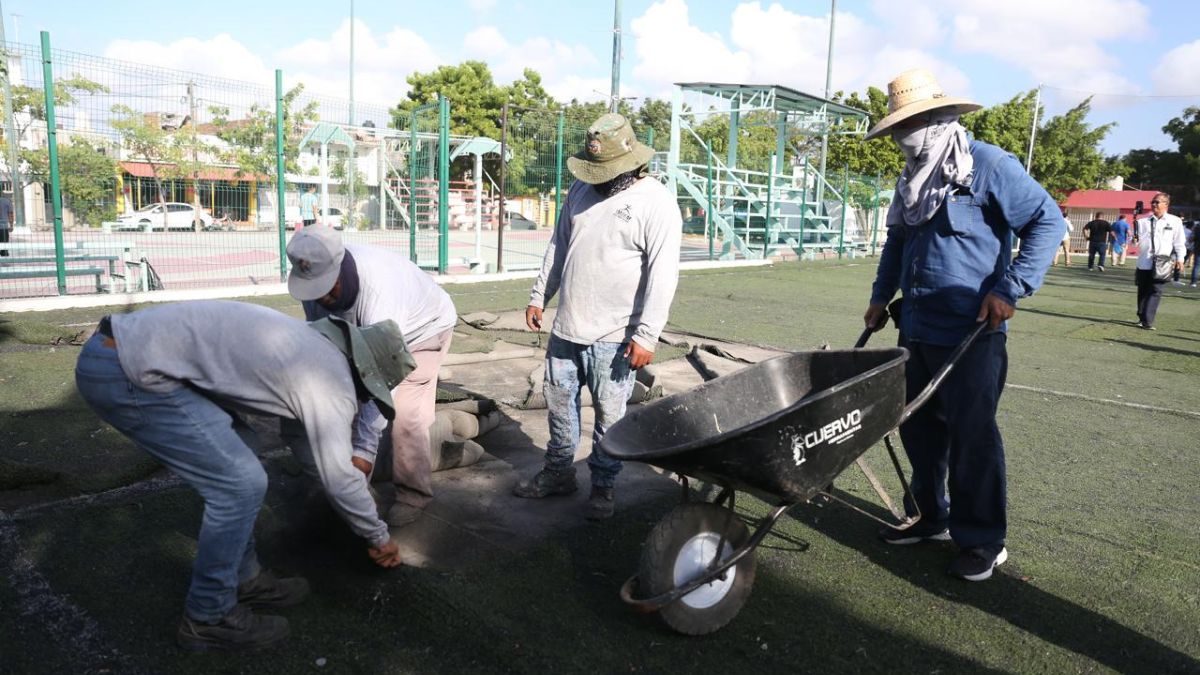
column 959, row 203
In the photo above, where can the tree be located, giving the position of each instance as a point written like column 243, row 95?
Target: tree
column 475, row 98
column 88, row 178
column 1067, row 154
column 1005, row 125
column 878, row 157
column 145, row 139
column 654, row 114
column 251, row 139
column 29, row 105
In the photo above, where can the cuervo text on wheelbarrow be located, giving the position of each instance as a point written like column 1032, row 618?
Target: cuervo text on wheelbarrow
column 833, row 433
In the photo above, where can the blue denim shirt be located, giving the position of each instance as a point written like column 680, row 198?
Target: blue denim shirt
column 945, row 266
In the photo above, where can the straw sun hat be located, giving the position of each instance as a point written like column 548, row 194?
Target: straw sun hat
column 914, row 92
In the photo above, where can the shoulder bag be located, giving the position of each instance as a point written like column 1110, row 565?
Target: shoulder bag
column 1164, row 266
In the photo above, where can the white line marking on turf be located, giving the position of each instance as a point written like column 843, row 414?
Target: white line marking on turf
column 1107, row 401
column 76, row 635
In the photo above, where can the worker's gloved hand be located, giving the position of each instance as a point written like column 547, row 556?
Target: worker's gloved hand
column 387, row 555
column 533, row 317
column 875, row 317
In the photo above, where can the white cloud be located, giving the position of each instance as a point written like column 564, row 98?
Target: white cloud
column 221, row 56
column 1177, row 71
column 774, row 45
column 381, row 64
column 1062, row 43
column 561, row 65
column 481, row 5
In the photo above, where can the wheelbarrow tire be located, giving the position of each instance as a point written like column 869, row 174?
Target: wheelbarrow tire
column 677, row 551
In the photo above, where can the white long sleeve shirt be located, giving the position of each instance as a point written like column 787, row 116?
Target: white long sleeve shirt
column 1159, row 236
column 253, row 358
column 615, row 263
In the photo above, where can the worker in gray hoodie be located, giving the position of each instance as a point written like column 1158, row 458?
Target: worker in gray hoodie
column 172, row 378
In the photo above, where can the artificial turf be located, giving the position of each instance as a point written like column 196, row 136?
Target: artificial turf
column 1104, row 523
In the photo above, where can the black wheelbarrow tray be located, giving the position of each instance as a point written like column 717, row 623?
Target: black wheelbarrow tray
column 782, row 430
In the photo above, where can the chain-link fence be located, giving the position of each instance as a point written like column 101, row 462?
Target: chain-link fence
column 170, row 179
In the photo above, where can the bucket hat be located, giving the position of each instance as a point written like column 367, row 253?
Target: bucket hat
column 611, row 150
column 914, row 92
column 316, row 254
column 378, row 356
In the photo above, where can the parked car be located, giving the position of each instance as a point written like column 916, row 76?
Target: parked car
column 331, row 217
column 168, row 216
column 694, row 225
column 516, row 221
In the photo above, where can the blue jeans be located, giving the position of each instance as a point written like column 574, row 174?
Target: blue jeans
column 604, row 369
column 954, row 438
column 197, row 440
column 1095, row 249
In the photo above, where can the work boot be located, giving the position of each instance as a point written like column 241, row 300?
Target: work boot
column 401, row 514
column 600, row 504
column 239, row 629
column 268, row 591
column 546, row 483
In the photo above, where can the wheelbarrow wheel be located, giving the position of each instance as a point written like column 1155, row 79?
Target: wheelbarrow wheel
column 680, row 549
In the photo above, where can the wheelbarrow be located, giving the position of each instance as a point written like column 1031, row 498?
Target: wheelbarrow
column 781, row 430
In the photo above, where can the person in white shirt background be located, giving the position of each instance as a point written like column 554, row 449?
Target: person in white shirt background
column 1160, row 234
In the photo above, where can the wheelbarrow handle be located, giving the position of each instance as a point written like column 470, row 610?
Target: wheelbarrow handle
column 941, row 374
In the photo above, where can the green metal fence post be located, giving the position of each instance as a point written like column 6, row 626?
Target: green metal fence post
column 767, row 214
column 443, row 184
column 875, row 225
column 803, row 206
column 280, row 178
column 412, row 188
column 558, row 165
column 60, row 263
column 650, row 137
column 708, row 224
column 845, row 205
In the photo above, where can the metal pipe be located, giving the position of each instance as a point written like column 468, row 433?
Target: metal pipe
column 10, row 132
column 60, row 263
column 1037, row 102
column 503, row 177
column 280, row 177
column 615, row 94
column 824, row 109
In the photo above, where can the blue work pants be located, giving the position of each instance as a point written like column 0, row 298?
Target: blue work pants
column 953, row 441
column 198, row 441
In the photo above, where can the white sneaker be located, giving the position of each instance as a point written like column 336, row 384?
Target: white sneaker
column 1177, row 283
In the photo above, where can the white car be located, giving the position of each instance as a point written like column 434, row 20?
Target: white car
column 168, row 216
column 331, row 217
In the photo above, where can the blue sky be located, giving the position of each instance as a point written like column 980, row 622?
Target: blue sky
column 1138, row 57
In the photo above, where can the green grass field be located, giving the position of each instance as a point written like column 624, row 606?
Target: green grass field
column 1100, row 421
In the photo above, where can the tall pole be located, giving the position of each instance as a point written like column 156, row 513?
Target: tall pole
column 280, row 178
column 503, row 178
column 1037, row 103
column 825, row 122
column 55, row 181
column 351, row 211
column 615, row 95
column 191, row 93
column 10, row 133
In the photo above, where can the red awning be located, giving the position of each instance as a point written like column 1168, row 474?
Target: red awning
column 143, row 170
column 1109, row 199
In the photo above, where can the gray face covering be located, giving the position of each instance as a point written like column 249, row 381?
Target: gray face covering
column 937, row 155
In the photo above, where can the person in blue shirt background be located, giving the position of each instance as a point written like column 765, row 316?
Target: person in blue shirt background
column 308, row 206
column 958, row 205
column 1120, row 231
